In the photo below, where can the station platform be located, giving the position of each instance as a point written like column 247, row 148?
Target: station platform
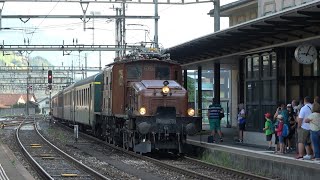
column 253, row 157
column 10, row 166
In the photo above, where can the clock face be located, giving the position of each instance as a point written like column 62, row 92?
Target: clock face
column 305, row 54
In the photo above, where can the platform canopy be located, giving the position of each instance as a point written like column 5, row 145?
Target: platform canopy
column 288, row 27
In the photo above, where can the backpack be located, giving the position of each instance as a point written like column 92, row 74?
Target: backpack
column 272, row 128
column 285, row 130
column 242, row 121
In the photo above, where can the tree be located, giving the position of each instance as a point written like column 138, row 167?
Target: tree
column 191, row 89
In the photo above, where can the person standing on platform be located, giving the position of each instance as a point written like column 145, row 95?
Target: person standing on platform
column 241, row 122
column 268, row 129
column 292, row 122
column 279, row 129
column 314, row 120
column 304, row 130
column 214, row 114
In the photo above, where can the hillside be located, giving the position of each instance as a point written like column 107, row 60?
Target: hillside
column 15, row 59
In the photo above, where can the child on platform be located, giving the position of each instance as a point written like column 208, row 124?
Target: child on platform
column 279, row 129
column 268, row 130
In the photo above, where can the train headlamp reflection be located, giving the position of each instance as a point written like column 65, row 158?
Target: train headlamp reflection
column 165, row 89
column 191, row 112
column 142, row 110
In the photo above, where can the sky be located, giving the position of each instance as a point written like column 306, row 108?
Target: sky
column 177, row 24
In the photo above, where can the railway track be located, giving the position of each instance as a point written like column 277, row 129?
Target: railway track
column 49, row 161
column 211, row 171
column 185, row 165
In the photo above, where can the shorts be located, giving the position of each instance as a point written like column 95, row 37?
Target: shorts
column 214, row 124
column 269, row 137
column 303, row 136
column 242, row 126
column 281, row 139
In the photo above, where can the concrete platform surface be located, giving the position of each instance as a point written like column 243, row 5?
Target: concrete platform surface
column 255, row 157
column 11, row 167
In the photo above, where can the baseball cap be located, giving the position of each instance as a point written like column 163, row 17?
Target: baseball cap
column 279, row 116
column 267, row 115
column 289, row 105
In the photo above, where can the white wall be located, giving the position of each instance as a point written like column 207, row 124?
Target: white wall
column 266, row 7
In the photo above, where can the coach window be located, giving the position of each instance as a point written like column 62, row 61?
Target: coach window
column 86, row 96
column 83, row 97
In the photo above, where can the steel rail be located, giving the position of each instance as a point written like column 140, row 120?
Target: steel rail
column 80, row 165
column 42, row 172
column 221, row 168
column 32, row 161
column 149, row 159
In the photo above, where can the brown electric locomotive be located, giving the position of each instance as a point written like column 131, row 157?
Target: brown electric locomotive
column 144, row 107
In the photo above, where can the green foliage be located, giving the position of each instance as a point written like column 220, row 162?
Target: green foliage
column 14, row 59
column 191, row 89
column 19, row 105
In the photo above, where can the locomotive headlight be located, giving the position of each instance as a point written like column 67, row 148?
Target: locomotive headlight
column 142, row 110
column 165, row 89
column 191, row 112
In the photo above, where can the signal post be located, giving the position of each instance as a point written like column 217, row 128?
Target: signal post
column 50, row 88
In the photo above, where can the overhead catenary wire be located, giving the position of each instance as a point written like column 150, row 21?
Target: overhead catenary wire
column 43, row 20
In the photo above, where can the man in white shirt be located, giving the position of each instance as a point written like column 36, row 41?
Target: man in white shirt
column 304, row 129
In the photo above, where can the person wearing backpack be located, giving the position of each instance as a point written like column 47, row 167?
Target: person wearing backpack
column 269, row 130
column 279, row 129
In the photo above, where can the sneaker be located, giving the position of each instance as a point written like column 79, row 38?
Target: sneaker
column 221, row 140
column 269, row 148
column 214, row 141
column 307, row 157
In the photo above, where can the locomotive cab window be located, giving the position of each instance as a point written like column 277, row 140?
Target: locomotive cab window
column 134, row 72
column 162, row 73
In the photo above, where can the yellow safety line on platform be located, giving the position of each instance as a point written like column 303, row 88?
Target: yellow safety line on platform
column 69, row 175
column 96, row 82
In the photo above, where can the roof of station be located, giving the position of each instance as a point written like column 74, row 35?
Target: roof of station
column 279, row 29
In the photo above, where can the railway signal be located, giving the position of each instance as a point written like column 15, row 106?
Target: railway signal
column 50, row 76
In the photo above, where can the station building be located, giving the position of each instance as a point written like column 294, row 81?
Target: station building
column 271, row 50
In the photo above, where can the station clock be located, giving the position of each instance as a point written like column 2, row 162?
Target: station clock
column 305, row 54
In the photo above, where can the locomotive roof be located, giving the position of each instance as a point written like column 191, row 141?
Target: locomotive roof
column 131, row 60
